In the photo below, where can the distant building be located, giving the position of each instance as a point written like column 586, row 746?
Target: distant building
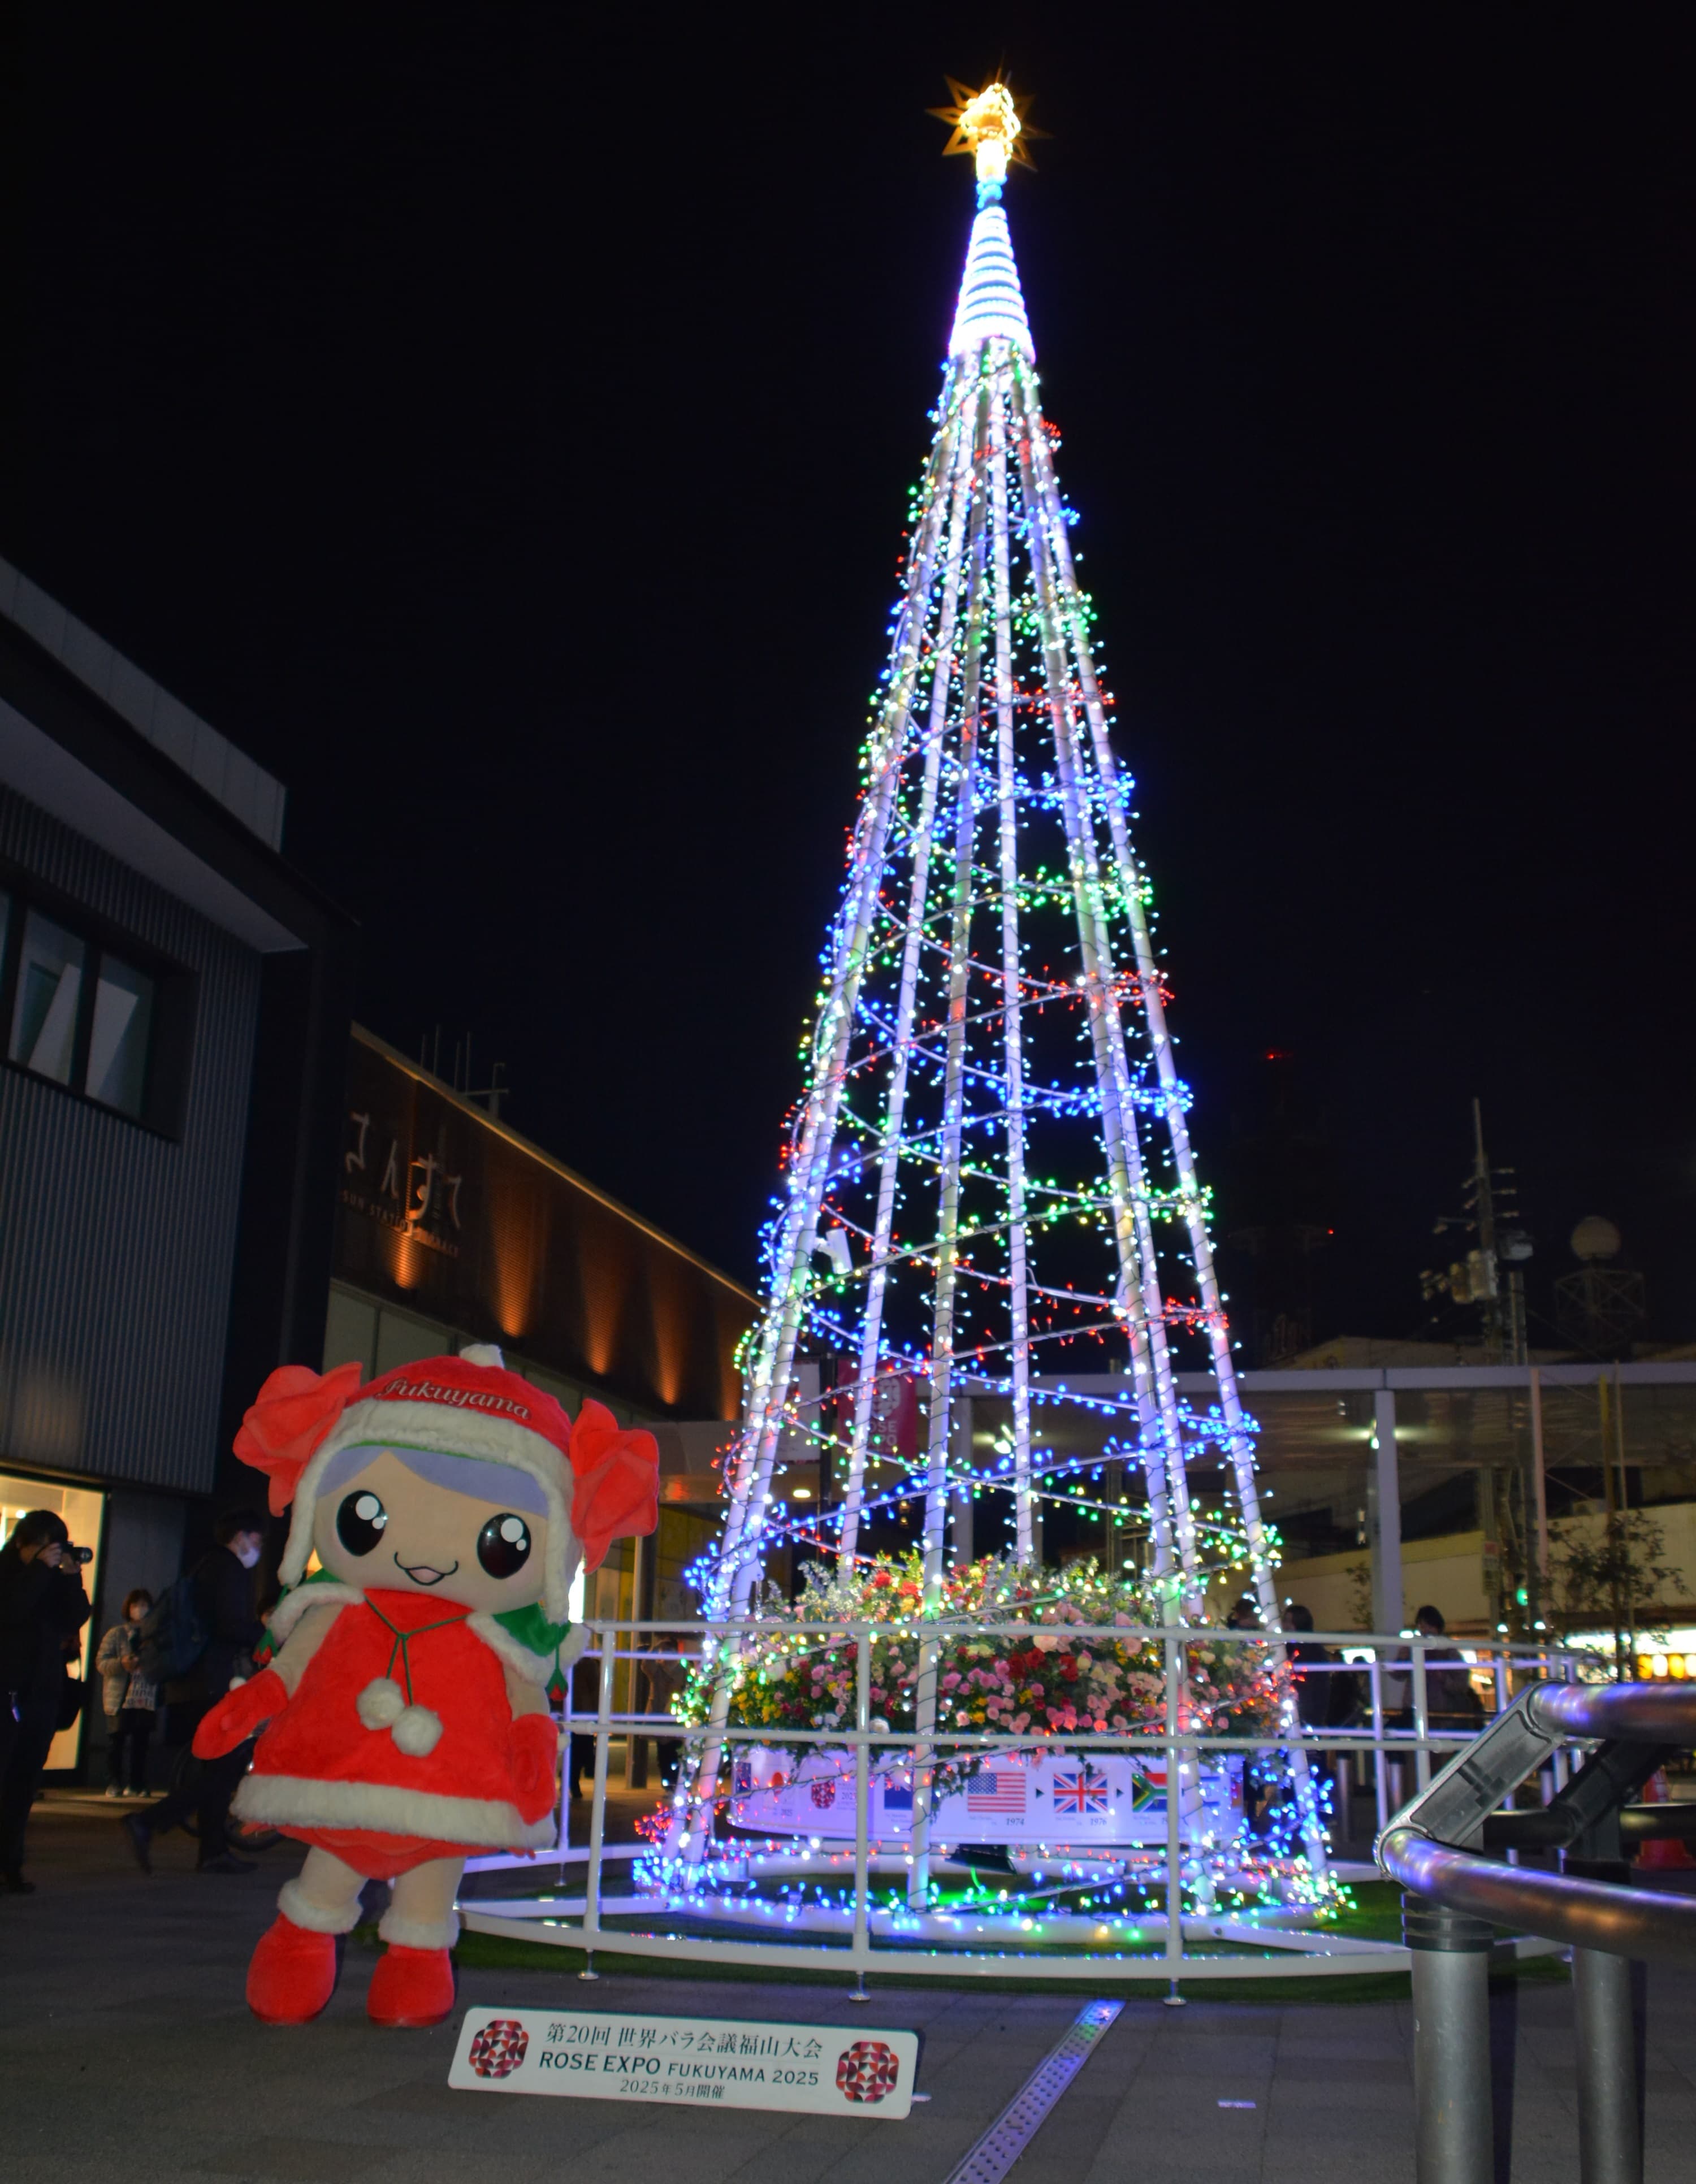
column 174, row 1005
column 451, row 1227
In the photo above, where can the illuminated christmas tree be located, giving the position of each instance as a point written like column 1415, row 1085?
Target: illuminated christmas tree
column 989, row 1178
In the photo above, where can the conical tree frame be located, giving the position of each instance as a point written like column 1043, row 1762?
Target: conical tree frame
column 921, row 1187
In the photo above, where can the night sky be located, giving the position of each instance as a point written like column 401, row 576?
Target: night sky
column 499, row 422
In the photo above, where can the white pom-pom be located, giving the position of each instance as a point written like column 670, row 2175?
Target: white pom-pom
column 482, row 1353
column 417, row 1732
column 380, row 1703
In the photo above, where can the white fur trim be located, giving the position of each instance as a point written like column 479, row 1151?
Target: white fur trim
column 417, row 1732
column 534, row 1667
column 381, row 1704
column 572, row 1644
column 446, row 1430
column 298, row 1908
column 418, row 1933
column 297, row 1801
column 294, row 1605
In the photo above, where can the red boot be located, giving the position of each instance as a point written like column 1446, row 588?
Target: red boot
column 293, row 1974
column 411, row 1987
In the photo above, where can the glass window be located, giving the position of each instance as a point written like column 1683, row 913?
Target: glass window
column 49, row 987
column 118, row 1045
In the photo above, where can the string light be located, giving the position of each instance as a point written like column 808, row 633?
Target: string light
column 989, row 1166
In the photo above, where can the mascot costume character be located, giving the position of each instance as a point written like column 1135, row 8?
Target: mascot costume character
column 404, row 1706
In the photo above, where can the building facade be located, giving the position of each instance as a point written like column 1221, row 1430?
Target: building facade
column 451, row 1227
column 174, row 1000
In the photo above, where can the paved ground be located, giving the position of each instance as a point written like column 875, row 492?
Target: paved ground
column 126, row 2057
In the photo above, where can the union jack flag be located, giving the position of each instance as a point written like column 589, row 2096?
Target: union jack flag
column 999, row 1790
column 1081, row 1789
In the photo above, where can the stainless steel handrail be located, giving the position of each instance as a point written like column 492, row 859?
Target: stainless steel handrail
column 1455, row 1896
column 1588, row 1915
column 1636, row 1714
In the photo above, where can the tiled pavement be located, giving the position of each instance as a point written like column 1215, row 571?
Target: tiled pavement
column 126, row 2057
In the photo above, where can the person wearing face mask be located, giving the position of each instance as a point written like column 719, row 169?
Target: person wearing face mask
column 223, row 1587
column 42, row 1606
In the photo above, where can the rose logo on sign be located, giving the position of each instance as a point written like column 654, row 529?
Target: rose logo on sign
column 499, row 2048
column 866, row 2071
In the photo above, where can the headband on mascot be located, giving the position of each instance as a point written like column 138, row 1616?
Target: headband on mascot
column 615, row 1470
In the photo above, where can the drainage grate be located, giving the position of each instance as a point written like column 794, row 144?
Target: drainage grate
column 1014, row 2128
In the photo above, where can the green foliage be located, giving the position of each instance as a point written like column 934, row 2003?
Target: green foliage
column 1608, row 1581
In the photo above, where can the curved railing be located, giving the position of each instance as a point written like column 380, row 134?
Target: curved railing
column 1458, row 1897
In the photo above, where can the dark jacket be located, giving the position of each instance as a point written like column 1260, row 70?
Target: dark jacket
column 225, row 1593
column 41, row 1609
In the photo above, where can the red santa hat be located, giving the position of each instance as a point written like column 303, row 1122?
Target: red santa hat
column 599, row 1482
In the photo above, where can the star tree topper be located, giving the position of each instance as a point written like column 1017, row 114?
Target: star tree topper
column 990, row 125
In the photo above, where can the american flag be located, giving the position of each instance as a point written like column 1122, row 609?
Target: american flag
column 996, row 1790
column 1080, row 1789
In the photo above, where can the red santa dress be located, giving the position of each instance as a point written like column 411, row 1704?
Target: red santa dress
column 396, row 1745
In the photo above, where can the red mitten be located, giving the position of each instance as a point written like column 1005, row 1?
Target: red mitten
column 234, row 1718
column 535, row 1749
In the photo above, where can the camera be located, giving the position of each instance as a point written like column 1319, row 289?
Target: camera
column 68, row 1553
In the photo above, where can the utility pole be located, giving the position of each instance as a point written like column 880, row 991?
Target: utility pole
column 1491, row 1276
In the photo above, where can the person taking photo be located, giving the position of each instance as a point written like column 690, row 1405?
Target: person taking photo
column 42, row 1608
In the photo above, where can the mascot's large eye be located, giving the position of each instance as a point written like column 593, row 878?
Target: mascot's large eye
column 504, row 1545
column 359, row 1522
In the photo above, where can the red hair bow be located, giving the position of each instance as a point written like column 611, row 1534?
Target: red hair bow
column 296, row 1407
column 616, row 1472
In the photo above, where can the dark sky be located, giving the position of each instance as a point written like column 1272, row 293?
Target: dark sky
column 500, row 421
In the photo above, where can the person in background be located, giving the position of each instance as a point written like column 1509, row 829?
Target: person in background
column 585, row 1699
column 129, row 1699
column 1307, row 1655
column 1451, row 1702
column 223, row 1584
column 667, row 1673
column 42, row 1606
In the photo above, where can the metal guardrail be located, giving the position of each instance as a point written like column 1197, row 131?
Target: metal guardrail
column 1400, row 1740
column 1456, row 1896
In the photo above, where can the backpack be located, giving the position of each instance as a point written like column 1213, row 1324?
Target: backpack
column 174, row 1633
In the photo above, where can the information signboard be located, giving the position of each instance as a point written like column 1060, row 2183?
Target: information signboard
column 714, row 2062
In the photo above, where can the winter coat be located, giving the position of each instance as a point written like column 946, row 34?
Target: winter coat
column 224, row 1592
column 117, row 1665
column 41, row 1609
column 114, row 1663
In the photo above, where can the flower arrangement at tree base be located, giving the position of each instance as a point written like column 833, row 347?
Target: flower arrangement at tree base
column 1045, row 1680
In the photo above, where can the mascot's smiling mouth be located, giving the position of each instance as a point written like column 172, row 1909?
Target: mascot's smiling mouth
column 423, row 1572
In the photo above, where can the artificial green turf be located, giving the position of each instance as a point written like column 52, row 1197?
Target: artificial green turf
column 498, row 1952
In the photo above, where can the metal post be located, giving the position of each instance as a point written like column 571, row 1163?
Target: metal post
column 1540, row 1489
column 635, row 1743
column 1174, row 1836
column 863, row 1797
column 960, row 1498
column 1609, row 2143
column 1386, row 1501
column 1453, row 2140
column 597, row 1825
column 1380, row 1768
column 1422, row 1759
